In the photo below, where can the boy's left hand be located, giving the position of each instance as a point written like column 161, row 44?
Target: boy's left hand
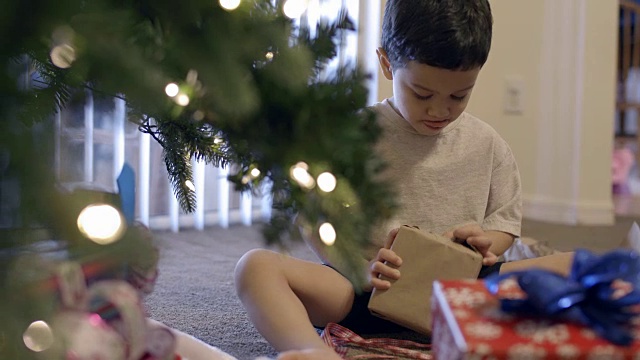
column 476, row 237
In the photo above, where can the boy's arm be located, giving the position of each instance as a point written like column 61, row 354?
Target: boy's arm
column 490, row 243
column 500, row 241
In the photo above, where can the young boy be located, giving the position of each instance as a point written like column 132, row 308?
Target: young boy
column 453, row 173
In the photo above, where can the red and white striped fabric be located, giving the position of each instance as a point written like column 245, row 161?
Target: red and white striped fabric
column 350, row 345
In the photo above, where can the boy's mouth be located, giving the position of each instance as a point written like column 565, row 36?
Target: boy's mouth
column 436, row 125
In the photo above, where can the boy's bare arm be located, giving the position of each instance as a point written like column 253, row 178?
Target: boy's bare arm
column 490, row 244
column 500, row 241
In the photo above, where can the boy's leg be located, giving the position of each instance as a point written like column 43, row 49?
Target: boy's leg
column 559, row 263
column 284, row 296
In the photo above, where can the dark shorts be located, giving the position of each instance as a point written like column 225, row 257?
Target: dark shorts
column 362, row 322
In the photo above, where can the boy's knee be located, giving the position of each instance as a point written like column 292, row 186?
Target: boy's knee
column 253, row 263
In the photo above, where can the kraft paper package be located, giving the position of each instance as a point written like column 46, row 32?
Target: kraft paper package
column 426, row 257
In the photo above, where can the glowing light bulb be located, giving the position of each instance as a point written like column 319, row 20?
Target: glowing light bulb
column 229, row 4
column 302, row 177
column 327, row 234
column 245, row 179
column 327, row 182
column 295, row 8
column 101, row 223
column 172, row 89
column 255, row 173
column 38, row 336
column 217, row 140
column 269, row 55
column 190, row 185
column 63, row 56
column 182, row 99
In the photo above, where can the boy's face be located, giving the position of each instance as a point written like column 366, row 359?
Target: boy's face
column 427, row 97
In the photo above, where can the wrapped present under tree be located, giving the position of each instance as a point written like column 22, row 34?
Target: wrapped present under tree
column 592, row 313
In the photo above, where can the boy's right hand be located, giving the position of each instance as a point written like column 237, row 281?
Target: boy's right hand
column 379, row 265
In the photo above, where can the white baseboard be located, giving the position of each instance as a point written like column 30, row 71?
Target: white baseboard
column 211, row 218
column 567, row 212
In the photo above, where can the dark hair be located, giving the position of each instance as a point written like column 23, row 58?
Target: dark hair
column 449, row 34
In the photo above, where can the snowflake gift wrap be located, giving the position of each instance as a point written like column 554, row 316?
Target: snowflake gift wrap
column 468, row 324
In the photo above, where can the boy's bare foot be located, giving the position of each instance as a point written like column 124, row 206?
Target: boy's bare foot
column 309, row 354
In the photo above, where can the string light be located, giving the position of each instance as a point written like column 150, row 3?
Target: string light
column 300, row 174
column 63, row 56
column 192, row 77
column 255, row 172
column 182, row 100
column 326, row 182
column 246, row 179
column 269, row 55
column 229, row 4
column 190, row 185
column 171, row 89
column 218, row 140
column 38, row 336
column 327, row 234
column 198, row 115
column 295, row 8
column 101, row 223
column 302, row 164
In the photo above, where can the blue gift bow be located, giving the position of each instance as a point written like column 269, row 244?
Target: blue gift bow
column 584, row 296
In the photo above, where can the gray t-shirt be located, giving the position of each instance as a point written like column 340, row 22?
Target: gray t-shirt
column 465, row 174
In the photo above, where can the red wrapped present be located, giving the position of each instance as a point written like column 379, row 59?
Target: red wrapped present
column 469, row 324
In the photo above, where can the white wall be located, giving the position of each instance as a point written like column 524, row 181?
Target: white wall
column 564, row 54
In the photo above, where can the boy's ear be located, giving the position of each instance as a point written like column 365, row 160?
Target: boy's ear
column 385, row 64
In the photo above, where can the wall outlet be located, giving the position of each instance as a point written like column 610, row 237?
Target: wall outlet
column 514, row 96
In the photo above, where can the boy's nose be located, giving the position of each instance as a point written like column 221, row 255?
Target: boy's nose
column 439, row 113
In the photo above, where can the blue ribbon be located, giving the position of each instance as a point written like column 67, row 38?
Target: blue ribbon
column 584, row 296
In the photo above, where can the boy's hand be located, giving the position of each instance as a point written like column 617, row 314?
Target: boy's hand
column 475, row 236
column 378, row 267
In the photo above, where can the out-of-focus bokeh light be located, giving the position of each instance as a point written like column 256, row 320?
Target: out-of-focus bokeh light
column 38, row 336
column 295, row 8
column 63, row 56
column 229, row 4
column 198, row 115
column 327, row 182
column 172, row 89
column 190, row 185
column 327, row 234
column 300, row 174
column 269, row 55
column 255, row 172
column 182, row 99
column 101, row 223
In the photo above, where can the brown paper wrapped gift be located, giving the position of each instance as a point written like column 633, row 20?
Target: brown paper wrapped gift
column 426, row 257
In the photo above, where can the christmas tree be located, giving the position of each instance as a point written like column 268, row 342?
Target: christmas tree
column 233, row 82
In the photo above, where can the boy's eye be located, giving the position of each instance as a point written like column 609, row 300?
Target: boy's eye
column 421, row 97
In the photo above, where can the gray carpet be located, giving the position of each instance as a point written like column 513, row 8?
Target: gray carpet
column 195, row 292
